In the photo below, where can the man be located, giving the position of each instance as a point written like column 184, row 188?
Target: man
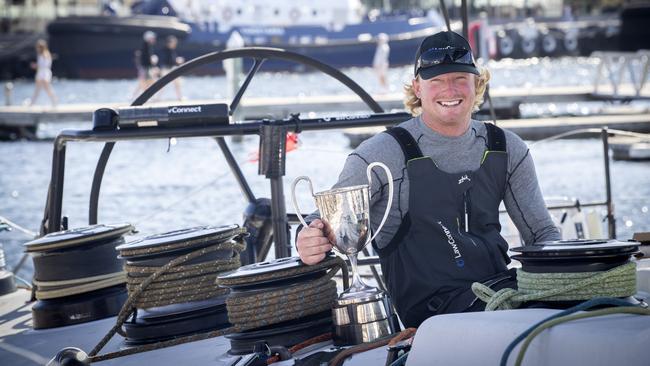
column 169, row 60
column 451, row 174
column 148, row 59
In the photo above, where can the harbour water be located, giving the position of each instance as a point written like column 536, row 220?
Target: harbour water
column 507, row 73
column 166, row 185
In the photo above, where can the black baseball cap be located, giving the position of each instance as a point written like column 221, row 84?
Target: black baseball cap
column 442, row 53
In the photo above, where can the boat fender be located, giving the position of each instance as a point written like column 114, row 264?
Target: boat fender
column 506, row 44
column 226, row 14
column 294, row 14
column 571, row 41
column 70, row 356
column 528, row 46
column 549, row 43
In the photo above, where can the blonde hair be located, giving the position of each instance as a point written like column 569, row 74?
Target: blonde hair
column 41, row 47
column 413, row 104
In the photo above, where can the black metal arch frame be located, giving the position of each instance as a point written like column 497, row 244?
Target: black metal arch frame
column 267, row 130
column 259, row 54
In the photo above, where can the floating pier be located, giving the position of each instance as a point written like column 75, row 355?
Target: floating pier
column 630, row 148
column 23, row 121
column 540, row 128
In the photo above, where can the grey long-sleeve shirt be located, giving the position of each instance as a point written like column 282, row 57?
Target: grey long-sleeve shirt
column 523, row 199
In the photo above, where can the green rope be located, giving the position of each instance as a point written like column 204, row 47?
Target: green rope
column 617, row 282
column 567, row 318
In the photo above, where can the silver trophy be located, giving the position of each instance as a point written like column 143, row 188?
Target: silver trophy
column 362, row 313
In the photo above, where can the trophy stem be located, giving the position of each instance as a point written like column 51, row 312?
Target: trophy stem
column 358, row 286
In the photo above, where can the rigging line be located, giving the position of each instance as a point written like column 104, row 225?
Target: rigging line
column 331, row 151
column 565, row 134
column 594, row 131
column 167, row 207
column 445, row 13
column 4, row 220
column 26, row 283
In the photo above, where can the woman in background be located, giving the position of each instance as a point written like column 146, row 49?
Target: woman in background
column 43, row 66
column 380, row 61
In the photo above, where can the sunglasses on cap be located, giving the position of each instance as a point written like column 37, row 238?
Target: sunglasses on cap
column 447, row 55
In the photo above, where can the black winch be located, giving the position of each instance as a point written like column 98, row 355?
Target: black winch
column 77, row 277
column 603, row 266
column 185, row 299
column 280, row 303
column 575, row 255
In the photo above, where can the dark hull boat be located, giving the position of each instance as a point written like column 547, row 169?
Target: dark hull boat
column 335, row 32
column 103, row 47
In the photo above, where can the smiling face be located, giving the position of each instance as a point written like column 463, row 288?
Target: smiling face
column 447, row 100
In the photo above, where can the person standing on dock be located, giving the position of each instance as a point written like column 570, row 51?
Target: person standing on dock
column 380, row 62
column 142, row 79
column 148, row 59
column 451, row 173
column 43, row 78
column 170, row 59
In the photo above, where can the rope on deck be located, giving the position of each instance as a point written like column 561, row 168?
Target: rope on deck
column 245, row 312
column 617, row 282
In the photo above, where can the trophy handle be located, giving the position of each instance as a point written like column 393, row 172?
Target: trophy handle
column 293, row 197
column 390, row 194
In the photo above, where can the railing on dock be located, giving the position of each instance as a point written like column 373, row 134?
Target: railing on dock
column 615, row 64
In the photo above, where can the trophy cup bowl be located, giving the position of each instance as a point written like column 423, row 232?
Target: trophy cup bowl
column 345, row 213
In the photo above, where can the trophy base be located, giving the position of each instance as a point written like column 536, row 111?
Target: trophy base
column 354, row 334
column 363, row 295
column 363, row 318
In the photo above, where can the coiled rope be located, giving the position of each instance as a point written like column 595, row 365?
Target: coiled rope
column 271, row 302
column 54, row 289
column 137, row 295
column 182, row 283
column 254, row 309
column 616, row 282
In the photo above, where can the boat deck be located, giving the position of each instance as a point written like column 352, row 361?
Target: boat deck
column 452, row 339
column 20, row 345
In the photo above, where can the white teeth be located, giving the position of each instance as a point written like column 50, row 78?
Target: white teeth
column 450, row 104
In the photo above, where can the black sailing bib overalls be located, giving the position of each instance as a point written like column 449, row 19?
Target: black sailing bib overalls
column 450, row 237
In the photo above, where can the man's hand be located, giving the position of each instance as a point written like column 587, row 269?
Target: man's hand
column 312, row 243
